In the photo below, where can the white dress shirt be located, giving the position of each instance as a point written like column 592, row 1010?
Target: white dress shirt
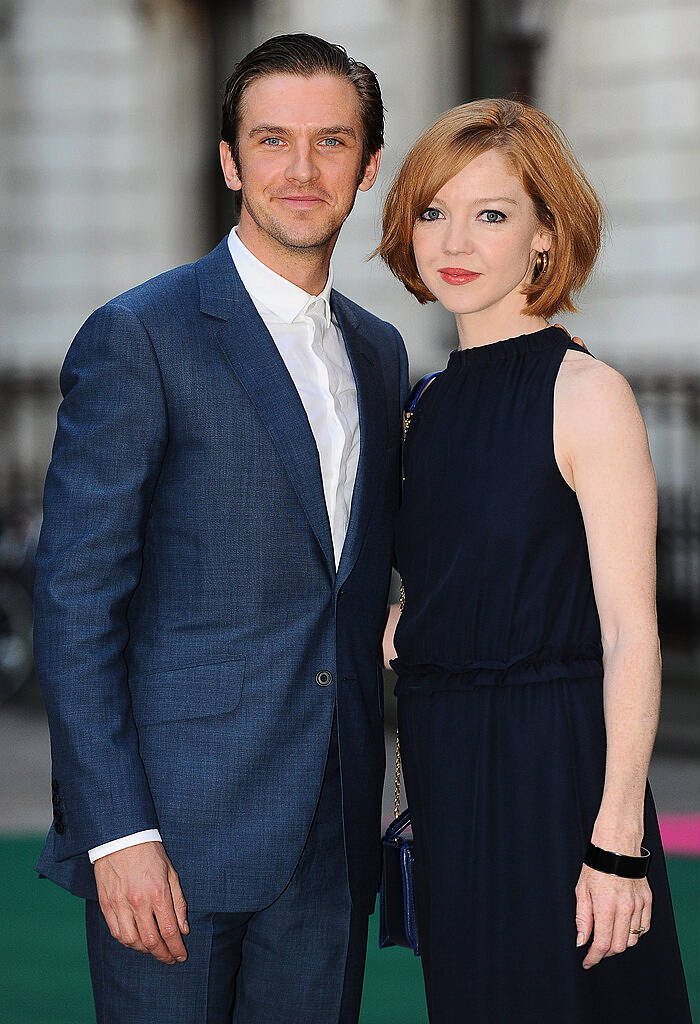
column 312, row 347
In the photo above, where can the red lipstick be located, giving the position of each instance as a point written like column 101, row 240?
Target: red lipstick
column 457, row 275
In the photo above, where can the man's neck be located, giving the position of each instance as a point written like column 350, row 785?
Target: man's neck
column 306, row 268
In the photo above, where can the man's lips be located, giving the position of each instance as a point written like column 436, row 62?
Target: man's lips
column 300, row 201
column 457, row 275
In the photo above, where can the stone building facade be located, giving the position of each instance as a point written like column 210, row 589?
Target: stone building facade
column 109, row 174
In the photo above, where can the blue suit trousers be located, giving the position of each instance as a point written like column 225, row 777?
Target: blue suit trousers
column 301, row 958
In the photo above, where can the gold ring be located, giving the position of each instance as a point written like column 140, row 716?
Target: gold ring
column 637, row 931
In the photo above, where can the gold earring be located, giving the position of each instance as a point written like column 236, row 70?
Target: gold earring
column 541, row 263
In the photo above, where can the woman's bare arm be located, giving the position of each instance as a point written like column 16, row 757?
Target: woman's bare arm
column 602, row 448
column 388, row 648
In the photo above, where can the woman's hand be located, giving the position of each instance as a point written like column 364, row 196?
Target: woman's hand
column 612, row 909
column 388, row 649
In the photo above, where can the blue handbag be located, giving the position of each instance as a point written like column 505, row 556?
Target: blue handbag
column 397, row 914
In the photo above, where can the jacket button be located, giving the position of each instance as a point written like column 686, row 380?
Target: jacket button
column 55, row 799
column 324, row 678
column 54, row 786
column 59, row 827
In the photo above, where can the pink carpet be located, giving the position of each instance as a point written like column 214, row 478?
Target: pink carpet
column 680, row 834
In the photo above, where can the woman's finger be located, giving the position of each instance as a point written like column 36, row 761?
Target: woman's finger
column 584, row 915
column 646, row 912
column 636, row 927
column 602, row 937
column 624, row 912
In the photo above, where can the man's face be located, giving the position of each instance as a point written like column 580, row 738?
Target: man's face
column 300, row 156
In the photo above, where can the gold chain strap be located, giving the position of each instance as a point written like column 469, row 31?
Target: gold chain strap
column 397, row 778
column 402, row 601
column 407, row 416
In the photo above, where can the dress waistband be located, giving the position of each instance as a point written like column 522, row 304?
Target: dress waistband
column 540, row 666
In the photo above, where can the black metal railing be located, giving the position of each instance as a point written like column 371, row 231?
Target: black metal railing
column 671, row 409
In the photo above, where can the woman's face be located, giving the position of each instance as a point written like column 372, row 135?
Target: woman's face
column 475, row 245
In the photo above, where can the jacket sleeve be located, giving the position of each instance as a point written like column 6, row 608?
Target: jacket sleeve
column 404, row 385
column 109, row 447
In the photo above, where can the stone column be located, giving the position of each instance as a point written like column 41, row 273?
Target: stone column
column 623, row 80
column 103, row 120
column 106, row 134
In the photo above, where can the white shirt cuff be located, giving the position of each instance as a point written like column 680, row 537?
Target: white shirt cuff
column 149, row 835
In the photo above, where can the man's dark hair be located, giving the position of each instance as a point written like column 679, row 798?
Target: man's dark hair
column 304, row 55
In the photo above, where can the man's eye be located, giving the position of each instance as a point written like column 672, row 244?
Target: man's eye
column 272, row 143
column 331, row 143
column 492, row 216
column 430, row 214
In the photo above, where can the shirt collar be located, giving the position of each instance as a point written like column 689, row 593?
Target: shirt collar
column 283, row 299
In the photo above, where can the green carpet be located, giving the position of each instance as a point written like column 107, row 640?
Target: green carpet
column 44, row 976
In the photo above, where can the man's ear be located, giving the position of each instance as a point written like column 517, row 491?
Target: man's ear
column 371, row 171
column 228, row 166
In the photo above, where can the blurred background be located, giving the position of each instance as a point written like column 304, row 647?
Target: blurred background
column 109, row 111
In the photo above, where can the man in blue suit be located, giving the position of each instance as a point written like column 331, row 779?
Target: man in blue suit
column 212, row 580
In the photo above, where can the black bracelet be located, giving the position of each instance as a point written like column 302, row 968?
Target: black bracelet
column 617, row 863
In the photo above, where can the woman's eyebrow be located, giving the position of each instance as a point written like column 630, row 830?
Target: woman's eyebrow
column 497, row 199
column 486, row 199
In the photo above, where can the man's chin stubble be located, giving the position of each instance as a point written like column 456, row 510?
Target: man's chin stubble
column 318, row 239
column 325, row 234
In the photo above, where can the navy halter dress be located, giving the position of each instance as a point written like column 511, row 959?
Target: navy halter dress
column 500, row 702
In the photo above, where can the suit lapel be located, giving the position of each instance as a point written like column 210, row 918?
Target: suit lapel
column 255, row 359
column 372, row 408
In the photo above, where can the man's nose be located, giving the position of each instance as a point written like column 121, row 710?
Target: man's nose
column 302, row 167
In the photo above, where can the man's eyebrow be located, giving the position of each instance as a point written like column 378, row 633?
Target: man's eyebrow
column 275, row 129
column 267, row 129
column 338, row 129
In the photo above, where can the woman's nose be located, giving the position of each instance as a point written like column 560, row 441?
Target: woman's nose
column 456, row 241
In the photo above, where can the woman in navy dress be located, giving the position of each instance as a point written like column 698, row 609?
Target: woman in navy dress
column 527, row 651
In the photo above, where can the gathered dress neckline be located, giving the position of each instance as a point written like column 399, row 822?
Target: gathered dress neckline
column 506, row 348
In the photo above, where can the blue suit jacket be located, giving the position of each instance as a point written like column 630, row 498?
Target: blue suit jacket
column 187, row 597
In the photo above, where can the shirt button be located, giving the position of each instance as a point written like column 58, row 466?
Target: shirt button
column 324, row 677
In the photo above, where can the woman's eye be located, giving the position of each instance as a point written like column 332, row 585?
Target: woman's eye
column 430, row 214
column 492, row 216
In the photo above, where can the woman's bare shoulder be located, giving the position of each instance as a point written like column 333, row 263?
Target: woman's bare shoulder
column 595, row 397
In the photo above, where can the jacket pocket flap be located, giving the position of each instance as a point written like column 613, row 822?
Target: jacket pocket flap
column 197, row 691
